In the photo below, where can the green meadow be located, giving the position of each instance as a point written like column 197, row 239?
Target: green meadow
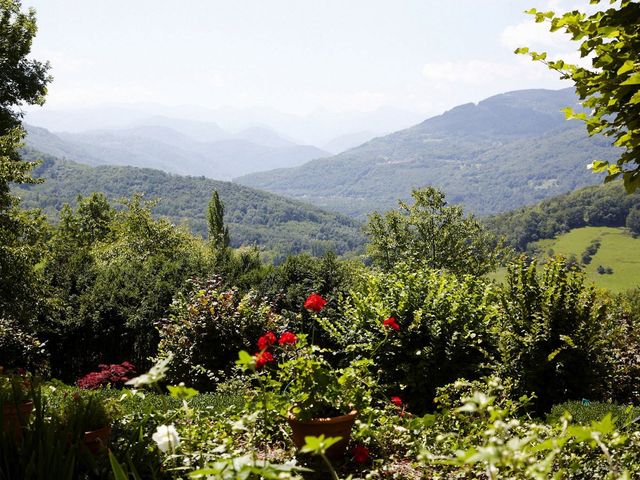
column 618, row 250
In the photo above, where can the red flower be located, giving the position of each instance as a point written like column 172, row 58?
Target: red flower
column 391, row 323
column 262, row 358
column 360, row 453
column 266, row 340
column 315, row 302
column 288, row 338
column 397, row 401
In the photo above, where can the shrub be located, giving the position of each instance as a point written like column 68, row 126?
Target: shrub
column 553, row 339
column 205, row 330
column 446, row 328
column 21, row 349
column 108, row 375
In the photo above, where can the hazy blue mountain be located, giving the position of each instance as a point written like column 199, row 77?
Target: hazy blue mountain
column 508, row 150
column 346, row 142
column 278, row 225
column 194, row 129
column 204, row 124
column 163, row 147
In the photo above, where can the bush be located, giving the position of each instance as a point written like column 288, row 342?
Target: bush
column 447, row 328
column 206, row 329
column 553, row 339
column 21, row 349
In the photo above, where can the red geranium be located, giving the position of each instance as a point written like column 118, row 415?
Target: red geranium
column 315, row 302
column 262, row 358
column 391, row 323
column 397, row 401
column 288, row 338
column 266, row 340
column 360, row 453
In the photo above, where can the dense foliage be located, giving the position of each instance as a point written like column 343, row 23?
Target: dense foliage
column 430, row 233
column 275, row 224
column 610, row 89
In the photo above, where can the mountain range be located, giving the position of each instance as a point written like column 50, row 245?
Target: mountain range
column 506, row 151
column 177, row 146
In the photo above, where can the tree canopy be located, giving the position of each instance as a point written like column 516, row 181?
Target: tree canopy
column 430, row 232
column 610, row 89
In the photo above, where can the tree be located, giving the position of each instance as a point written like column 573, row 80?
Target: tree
column 430, row 232
column 22, row 81
column 610, row 90
column 633, row 221
column 218, row 232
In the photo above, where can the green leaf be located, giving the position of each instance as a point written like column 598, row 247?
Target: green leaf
column 246, row 361
column 318, row 445
column 598, row 166
column 116, row 468
column 628, row 65
column 632, row 80
column 182, row 392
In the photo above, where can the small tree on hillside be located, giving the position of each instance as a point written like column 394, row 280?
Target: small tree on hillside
column 218, row 232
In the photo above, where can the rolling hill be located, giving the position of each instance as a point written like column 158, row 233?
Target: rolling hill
column 276, row 224
column 507, row 151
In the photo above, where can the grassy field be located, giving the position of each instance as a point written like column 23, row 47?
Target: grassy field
column 618, row 250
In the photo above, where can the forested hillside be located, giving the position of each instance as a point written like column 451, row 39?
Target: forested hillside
column 254, row 217
column 594, row 206
column 507, row 151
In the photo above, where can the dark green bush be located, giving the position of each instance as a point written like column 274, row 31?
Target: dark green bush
column 447, row 329
column 206, row 329
column 553, row 339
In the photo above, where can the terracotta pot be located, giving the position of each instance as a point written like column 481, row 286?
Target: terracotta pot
column 329, row 427
column 15, row 417
column 96, row 440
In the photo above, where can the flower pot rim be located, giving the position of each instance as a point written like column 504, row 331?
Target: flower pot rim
column 11, row 403
column 97, row 431
column 323, row 420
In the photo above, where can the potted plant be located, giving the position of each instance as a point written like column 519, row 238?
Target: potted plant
column 314, row 397
column 16, row 401
column 87, row 417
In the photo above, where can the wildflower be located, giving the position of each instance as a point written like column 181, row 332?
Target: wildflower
column 288, row 338
column 360, row 453
column 262, row 358
column 167, row 438
column 315, row 302
column 397, row 401
column 266, row 340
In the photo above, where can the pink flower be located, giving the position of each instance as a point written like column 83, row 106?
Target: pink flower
column 288, row 338
column 266, row 340
column 391, row 323
column 315, row 302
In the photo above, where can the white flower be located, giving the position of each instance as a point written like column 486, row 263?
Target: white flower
column 167, row 438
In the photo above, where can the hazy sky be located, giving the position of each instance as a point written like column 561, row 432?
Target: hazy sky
column 293, row 55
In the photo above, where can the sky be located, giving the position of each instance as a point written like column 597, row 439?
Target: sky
column 294, row 56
